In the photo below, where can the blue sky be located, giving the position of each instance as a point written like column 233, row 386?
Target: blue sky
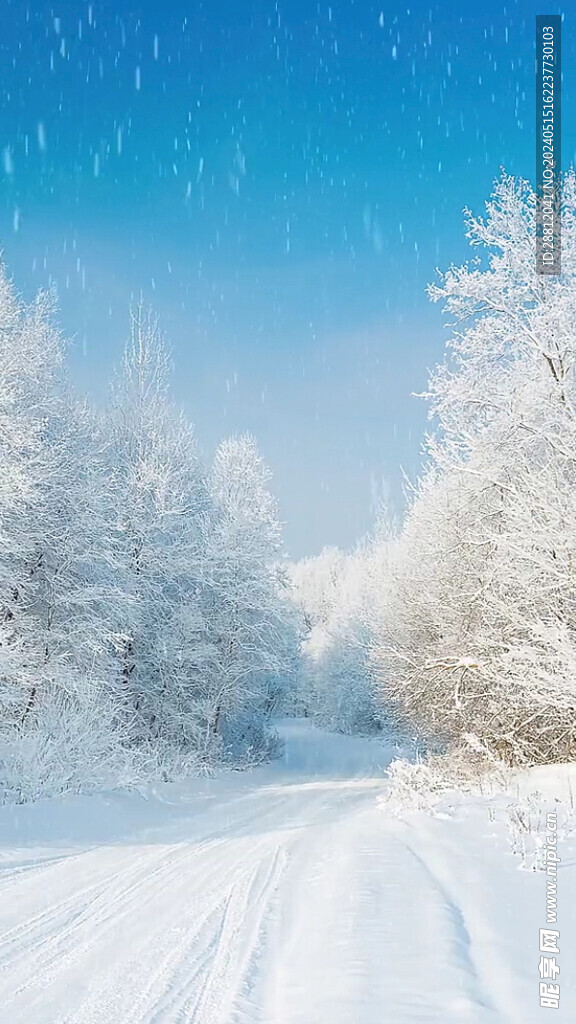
column 280, row 182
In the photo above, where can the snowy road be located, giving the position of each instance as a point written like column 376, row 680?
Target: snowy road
column 281, row 896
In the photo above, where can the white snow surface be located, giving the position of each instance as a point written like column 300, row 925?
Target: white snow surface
column 284, row 895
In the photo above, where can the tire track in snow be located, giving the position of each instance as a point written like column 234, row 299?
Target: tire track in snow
column 60, row 920
column 234, row 943
column 370, row 937
column 291, row 901
column 33, row 955
column 481, row 948
column 174, row 966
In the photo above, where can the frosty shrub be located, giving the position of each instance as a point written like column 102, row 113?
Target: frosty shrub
column 67, row 744
column 420, row 784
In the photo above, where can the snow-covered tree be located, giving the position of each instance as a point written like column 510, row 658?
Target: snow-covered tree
column 248, row 618
column 55, row 644
column 335, row 592
column 480, row 641
column 143, row 617
column 161, row 503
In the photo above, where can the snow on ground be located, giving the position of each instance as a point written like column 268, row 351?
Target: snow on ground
column 285, row 895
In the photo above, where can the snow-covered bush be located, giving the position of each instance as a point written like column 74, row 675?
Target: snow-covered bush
column 419, row 783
